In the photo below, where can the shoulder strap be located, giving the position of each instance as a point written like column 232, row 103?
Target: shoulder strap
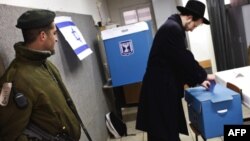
column 71, row 105
column 69, row 101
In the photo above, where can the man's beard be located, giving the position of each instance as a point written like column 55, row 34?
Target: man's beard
column 186, row 25
column 52, row 52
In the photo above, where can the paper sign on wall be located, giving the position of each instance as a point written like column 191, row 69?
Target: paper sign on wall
column 73, row 36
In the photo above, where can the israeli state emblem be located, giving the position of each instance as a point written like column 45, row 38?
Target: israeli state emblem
column 126, row 48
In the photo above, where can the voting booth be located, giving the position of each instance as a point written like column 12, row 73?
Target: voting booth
column 209, row 110
column 127, row 49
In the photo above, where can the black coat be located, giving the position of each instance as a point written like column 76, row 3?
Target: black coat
column 169, row 67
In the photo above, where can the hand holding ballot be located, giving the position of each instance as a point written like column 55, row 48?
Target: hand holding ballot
column 207, row 83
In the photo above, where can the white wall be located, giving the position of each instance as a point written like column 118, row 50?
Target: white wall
column 88, row 7
column 163, row 6
column 201, row 41
column 246, row 15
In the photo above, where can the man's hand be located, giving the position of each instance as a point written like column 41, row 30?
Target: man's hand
column 210, row 77
column 206, row 84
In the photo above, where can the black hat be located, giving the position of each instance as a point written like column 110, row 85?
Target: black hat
column 195, row 8
column 35, row 19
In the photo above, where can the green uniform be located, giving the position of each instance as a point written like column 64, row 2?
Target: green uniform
column 39, row 80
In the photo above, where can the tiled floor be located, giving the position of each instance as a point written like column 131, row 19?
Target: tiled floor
column 129, row 116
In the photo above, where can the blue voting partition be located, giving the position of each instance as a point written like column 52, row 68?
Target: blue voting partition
column 127, row 49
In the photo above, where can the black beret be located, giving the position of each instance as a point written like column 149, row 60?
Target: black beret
column 35, row 19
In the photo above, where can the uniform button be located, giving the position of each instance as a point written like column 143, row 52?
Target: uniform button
column 64, row 127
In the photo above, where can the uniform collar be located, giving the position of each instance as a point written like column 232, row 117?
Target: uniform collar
column 29, row 54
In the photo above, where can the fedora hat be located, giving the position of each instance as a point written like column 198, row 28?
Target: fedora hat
column 195, row 8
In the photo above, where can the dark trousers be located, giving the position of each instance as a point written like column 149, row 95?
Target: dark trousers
column 155, row 138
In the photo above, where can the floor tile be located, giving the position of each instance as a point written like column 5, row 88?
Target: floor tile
column 136, row 137
column 145, row 136
column 245, row 111
column 111, row 139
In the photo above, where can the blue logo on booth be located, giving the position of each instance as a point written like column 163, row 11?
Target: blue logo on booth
column 126, row 48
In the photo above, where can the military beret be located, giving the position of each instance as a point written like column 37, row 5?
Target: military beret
column 35, row 19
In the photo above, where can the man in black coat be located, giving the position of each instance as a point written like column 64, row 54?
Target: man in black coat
column 170, row 67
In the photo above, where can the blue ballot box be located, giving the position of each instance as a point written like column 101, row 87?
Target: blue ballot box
column 127, row 49
column 209, row 110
